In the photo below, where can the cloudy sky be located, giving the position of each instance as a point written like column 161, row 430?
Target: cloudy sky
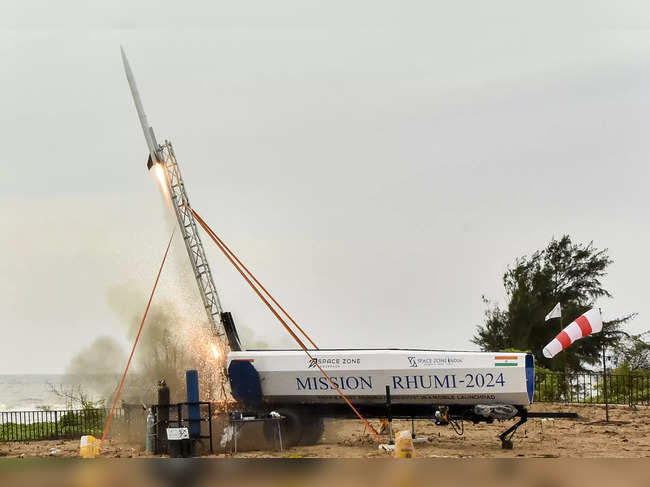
column 378, row 164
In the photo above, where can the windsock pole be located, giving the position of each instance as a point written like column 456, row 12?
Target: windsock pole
column 605, row 394
column 563, row 358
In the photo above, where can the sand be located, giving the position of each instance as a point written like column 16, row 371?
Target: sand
column 627, row 435
column 67, row 449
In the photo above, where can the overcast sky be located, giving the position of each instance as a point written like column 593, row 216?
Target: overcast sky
column 377, row 164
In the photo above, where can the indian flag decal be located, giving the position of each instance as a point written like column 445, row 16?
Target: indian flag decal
column 505, row 361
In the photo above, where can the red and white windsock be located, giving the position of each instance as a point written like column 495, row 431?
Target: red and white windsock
column 588, row 323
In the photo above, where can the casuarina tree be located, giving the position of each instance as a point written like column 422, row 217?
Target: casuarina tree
column 565, row 272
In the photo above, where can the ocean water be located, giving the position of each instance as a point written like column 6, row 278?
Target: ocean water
column 30, row 392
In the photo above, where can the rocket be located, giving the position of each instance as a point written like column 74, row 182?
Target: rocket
column 154, row 151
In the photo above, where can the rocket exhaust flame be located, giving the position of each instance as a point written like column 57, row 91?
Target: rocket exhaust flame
column 161, row 176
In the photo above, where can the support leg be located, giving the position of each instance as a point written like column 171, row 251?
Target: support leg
column 279, row 434
column 235, row 433
column 506, row 436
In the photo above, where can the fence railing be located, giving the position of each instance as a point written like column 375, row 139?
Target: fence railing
column 197, row 416
column 52, row 425
column 589, row 388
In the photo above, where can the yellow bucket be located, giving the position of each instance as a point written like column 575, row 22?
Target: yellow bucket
column 404, row 445
column 89, row 447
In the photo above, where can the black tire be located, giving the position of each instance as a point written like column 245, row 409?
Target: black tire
column 313, row 428
column 291, row 429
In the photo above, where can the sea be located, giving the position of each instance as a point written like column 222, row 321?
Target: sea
column 32, row 392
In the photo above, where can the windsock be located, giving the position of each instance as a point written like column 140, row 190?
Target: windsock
column 588, row 323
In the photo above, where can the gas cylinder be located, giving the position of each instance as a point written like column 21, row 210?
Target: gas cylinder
column 151, row 431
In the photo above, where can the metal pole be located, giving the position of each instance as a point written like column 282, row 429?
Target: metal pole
column 193, row 408
column 389, row 411
column 162, row 417
column 564, row 388
column 235, row 432
column 629, row 384
column 605, row 386
column 210, row 426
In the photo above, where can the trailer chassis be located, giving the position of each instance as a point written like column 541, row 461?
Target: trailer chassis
column 452, row 415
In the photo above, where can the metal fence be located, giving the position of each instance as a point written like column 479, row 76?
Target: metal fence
column 52, row 425
column 593, row 388
column 197, row 416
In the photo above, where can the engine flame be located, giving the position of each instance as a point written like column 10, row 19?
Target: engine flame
column 161, row 176
column 215, row 352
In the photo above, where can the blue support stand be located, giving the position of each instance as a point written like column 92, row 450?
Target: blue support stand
column 194, row 413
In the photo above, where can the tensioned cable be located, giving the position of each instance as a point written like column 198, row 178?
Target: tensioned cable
column 216, row 240
column 135, row 343
column 215, row 236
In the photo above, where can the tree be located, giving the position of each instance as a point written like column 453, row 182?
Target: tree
column 564, row 272
column 633, row 353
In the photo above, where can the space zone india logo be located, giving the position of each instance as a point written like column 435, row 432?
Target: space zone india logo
column 332, row 362
column 434, row 361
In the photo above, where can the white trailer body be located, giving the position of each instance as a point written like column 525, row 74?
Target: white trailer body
column 414, row 377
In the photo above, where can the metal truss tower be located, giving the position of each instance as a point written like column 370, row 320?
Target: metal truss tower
column 164, row 155
column 192, row 240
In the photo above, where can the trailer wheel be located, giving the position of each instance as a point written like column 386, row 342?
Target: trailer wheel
column 313, row 428
column 291, row 429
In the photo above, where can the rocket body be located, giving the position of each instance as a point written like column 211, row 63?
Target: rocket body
column 146, row 129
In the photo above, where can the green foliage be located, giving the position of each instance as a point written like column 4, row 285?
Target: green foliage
column 625, row 386
column 563, row 272
column 71, row 424
column 513, row 350
column 18, row 431
column 87, row 419
column 549, row 386
column 633, row 352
